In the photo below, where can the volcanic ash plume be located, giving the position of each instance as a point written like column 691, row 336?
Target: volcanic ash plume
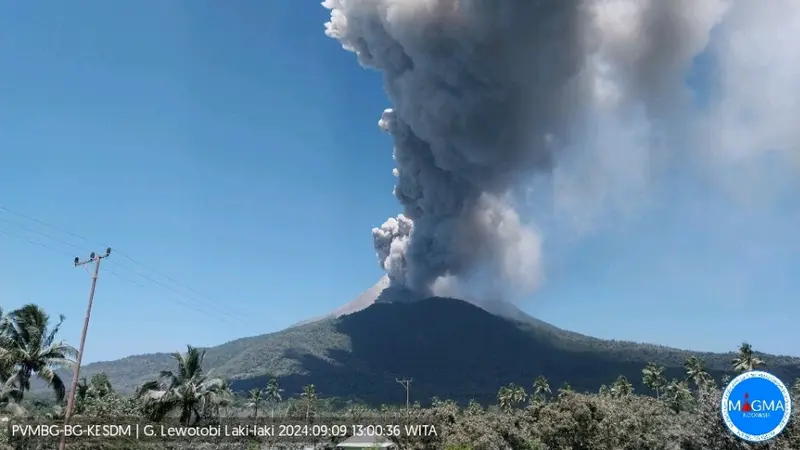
column 486, row 93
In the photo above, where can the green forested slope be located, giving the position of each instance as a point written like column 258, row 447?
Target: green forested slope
column 451, row 348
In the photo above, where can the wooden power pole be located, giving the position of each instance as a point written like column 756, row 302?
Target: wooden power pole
column 93, row 258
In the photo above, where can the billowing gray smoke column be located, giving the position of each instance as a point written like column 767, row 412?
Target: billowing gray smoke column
column 486, row 93
column 477, row 91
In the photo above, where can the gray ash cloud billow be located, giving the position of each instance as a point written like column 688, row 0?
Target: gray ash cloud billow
column 487, row 93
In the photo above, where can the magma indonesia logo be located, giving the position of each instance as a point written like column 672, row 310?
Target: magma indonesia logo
column 756, row 406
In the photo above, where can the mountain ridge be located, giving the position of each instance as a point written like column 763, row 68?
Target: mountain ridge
column 451, row 347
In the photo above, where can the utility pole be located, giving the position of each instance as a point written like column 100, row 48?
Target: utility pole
column 93, row 258
column 406, row 383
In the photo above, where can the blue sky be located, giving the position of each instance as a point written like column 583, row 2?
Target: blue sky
column 235, row 149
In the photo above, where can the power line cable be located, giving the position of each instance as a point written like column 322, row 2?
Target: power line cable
column 122, row 277
column 223, row 308
column 31, row 230
column 31, row 241
column 174, row 299
column 40, row 222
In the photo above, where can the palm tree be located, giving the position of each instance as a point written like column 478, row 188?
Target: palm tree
column 518, row 394
column 541, row 388
column 473, row 408
column 256, row 395
column 218, row 398
column 189, row 390
column 30, row 346
column 677, row 395
column 564, row 389
column 696, row 373
column 10, row 394
column 747, row 360
column 510, row 396
column 309, row 396
column 621, row 387
column 273, row 394
column 653, row 378
column 504, row 399
column 100, row 385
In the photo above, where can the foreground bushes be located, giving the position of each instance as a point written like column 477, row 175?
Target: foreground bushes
column 568, row 421
column 600, row 422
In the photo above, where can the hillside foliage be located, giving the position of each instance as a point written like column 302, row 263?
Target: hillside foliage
column 451, row 348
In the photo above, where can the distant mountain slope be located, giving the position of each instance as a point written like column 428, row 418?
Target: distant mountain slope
column 451, row 348
column 363, row 300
